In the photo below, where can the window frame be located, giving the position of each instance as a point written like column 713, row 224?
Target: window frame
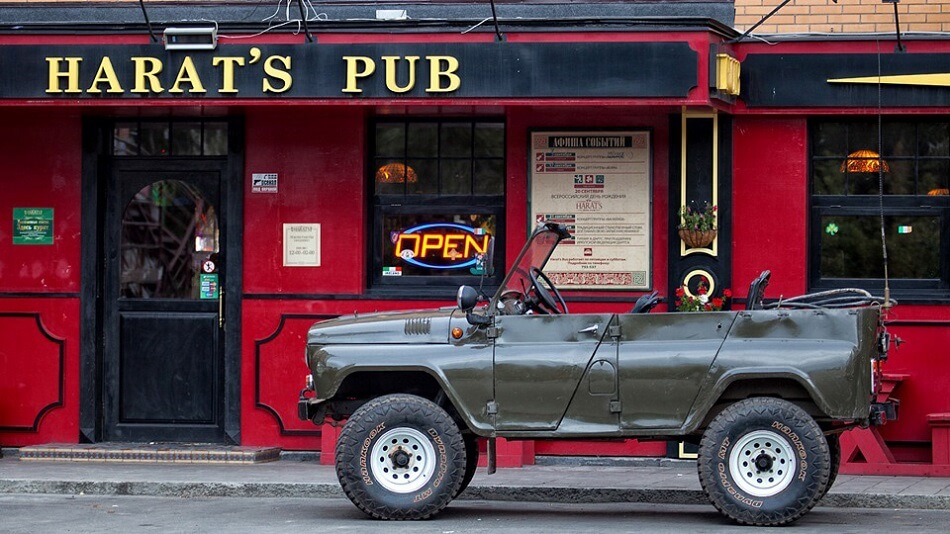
column 383, row 205
column 871, row 205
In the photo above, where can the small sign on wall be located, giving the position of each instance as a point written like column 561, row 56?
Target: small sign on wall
column 301, row 245
column 32, row 226
column 264, row 182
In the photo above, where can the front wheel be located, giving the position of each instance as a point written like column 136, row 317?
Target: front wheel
column 400, row 457
column 764, row 461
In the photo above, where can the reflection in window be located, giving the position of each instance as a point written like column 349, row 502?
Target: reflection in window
column 170, row 138
column 851, row 247
column 168, row 231
column 847, row 204
column 448, row 173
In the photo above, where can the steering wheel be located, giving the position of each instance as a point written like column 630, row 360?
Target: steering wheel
column 546, row 303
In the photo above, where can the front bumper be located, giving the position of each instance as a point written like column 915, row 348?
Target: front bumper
column 308, row 407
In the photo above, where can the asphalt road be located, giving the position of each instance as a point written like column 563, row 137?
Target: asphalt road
column 41, row 514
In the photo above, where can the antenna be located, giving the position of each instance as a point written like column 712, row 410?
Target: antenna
column 880, row 178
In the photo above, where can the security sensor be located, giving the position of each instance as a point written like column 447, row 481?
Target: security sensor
column 191, row 38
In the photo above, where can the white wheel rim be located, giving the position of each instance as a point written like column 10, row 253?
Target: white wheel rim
column 763, row 463
column 403, row 460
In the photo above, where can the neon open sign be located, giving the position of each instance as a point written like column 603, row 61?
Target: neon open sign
column 442, row 245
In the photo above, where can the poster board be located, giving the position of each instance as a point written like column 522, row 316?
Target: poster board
column 597, row 183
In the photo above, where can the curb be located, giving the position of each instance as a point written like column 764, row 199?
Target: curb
column 475, row 492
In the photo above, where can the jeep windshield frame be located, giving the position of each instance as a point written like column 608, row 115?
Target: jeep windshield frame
column 535, row 253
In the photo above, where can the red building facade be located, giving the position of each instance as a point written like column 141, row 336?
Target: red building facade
column 176, row 218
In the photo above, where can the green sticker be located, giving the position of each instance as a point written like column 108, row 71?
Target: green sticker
column 831, row 229
column 32, row 226
column 209, row 286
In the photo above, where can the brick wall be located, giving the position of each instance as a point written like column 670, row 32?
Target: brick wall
column 847, row 16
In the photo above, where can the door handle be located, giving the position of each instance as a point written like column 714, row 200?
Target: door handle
column 588, row 330
column 221, row 307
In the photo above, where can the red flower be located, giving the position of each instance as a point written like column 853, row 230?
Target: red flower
column 707, row 307
column 680, row 292
column 727, row 293
column 717, row 302
column 701, row 290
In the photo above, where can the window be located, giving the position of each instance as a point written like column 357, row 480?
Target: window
column 846, row 208
column 170, row 138
column 438, row 202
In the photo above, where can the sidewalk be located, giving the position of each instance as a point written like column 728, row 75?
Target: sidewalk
column 561, row 480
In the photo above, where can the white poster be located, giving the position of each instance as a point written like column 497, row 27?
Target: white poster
column 598, row 184
column 301, row 245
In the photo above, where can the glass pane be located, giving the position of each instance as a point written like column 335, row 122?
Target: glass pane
column 216, row 139
column 862, row 136
column 489, row 139
column 391, row 140
column 154, row 139
column 186, row 138
column 900, row 139
column 934, row 139
column 851, row 247
column 830, row 139
column 456, row 177
column 125, row 139
column 168, row 232
column 445, row 244
column 456, row 140
column 489, row 177
column 423, row 139
column 933, row 177
column 828, row 178
column 390, row 177
column 427, row 171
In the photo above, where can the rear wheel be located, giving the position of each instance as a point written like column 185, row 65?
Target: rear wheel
column 400, row 457
column 764, row 461
column 471, row 461
column 834, row 451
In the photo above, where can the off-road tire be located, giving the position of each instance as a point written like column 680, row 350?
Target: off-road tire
column 400, row 457
column 471, row 461
column 834, row 450
column 764, row 461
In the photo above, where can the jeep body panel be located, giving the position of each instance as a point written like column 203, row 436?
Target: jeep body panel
column 511, row 370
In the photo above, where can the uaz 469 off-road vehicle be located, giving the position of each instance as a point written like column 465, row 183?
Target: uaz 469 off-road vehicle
column 765, row 393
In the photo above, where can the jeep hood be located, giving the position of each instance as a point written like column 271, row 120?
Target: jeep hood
column 420, row 326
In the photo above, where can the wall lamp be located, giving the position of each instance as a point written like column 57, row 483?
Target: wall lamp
column 191, row 38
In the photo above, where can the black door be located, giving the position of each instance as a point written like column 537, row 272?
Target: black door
column 163, row 321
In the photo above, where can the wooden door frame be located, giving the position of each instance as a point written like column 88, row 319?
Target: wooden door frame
column 96, row 171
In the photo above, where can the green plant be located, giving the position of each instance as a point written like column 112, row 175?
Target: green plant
column 702, row 220
column 701, row 301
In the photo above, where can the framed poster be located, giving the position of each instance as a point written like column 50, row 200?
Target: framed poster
column 597, row 183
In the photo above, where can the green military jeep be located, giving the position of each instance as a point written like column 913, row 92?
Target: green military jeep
column 765, row 393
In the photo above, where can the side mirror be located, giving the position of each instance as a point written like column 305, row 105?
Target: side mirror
column 466, row 298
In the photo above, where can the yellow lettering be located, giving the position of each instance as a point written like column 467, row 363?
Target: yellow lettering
column 471, row 242
column 451, row 245
column 71, row 75
column 187, row 74
column 227, row 72
column 147, row 70
column 437, row 72
column 431, row 242
column 106, row 73
column 391, row 84
column 274, row 72
column 353, row 71
column 408, row 237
